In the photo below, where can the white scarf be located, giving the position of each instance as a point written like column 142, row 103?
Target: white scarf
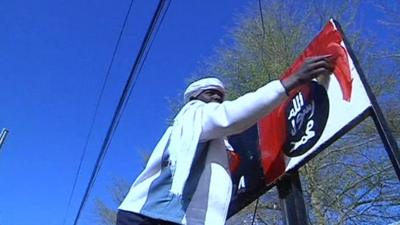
column 184, row 138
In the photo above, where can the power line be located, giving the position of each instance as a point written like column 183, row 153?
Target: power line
column 263, row 37
column 255, row 211
column 158, row 17
column 99, row 98
column 262, row 17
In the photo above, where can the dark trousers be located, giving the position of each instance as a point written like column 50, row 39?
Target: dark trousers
column 130, row 218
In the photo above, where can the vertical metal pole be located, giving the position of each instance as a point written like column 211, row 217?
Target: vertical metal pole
column 3, row 136
column 387, row 138
column 291, row 199
column 383, row 129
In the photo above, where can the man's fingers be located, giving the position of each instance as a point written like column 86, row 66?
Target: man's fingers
column 320, row 64
column 320, row 71
column 314, row 67
column 319, row 58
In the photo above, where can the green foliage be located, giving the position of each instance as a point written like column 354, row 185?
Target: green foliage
column 106, row 214
column 258, row 52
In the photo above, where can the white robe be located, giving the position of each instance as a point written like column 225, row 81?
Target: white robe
column 202, row 193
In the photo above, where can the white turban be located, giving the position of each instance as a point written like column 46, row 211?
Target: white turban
column 201, row 85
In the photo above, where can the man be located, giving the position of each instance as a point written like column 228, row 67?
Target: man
column 187, row 178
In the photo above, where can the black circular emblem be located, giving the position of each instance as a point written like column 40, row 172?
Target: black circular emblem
column 306, row 114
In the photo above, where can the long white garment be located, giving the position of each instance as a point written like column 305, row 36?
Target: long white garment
column 185, row 134
column 186, row 179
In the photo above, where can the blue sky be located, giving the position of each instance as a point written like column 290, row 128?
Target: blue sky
column 53, row 60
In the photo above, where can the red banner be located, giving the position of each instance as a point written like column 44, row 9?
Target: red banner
column 297, row 125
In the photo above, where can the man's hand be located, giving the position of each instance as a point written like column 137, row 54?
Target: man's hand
column 312, row 68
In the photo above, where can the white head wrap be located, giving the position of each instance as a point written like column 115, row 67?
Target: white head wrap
column 201, row 85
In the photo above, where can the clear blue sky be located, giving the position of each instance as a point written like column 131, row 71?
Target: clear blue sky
column 53, row 58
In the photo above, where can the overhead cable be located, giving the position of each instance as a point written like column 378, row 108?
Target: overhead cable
column 99, row 98
column 157, row 18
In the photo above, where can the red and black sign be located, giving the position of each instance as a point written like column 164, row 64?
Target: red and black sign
column 313, row 117
column 306, row 117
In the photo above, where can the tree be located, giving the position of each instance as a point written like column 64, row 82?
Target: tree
column 259, row 51
column 105, row 214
